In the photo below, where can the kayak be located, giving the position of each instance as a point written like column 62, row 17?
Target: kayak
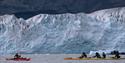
column 19, row 59
column 91, row 59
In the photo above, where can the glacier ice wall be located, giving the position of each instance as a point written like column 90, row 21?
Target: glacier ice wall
column 63, row 33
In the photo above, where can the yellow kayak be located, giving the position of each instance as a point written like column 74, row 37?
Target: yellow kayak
column 93, row 59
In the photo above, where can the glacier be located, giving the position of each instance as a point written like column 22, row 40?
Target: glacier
column 63, row 33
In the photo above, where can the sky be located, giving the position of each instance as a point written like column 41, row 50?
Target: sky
column 28, row 8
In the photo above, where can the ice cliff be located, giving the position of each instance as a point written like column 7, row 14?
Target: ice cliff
column 63, row 33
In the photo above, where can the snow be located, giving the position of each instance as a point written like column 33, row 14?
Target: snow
column 63, row 33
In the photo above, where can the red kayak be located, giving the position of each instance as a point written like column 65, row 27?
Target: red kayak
column 19, row 59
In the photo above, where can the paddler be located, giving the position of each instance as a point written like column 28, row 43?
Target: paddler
column 103, row 55
column 97, row 55
column 83, row 55
column 17, row 55
column 117, row 55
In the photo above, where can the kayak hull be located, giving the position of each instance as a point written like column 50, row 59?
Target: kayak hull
column 90, row 59
column 19, row 59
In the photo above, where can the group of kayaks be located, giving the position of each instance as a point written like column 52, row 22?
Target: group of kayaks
column 70, row 58
column 18, row 57
column 97, row 56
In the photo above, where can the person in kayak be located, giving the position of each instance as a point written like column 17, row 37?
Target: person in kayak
column 17, row 55
column 97, row 55
column 104, row 55
column 83, row 55
column 117, row 55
